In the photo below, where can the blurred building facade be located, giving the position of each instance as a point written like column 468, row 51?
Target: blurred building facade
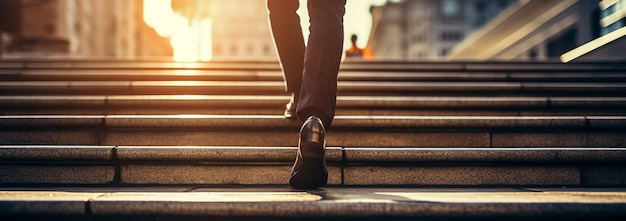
column 116, row 29
column 613, row 15
column 402, row 30
column 611, row 41
column 78, row 28
column 533, row 30
column 241, row 30
column 427, row 29
column 107, row 28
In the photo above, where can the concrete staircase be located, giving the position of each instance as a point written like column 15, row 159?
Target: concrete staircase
column 86, row 129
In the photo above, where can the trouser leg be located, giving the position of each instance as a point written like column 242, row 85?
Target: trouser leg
column 287, row 34
column 322, row 59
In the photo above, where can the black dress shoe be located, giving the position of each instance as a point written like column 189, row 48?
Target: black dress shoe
column 290, row 108
column 309, row 171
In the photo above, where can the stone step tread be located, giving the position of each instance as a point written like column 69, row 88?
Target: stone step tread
column 355, row 84
column 386, row 102
column 280, row 122
column 12, row 154
column 137, row 65
column 259, row 75
column 158, row 173
column 161, row 165
column 277, row 88
column 273, row 65
column 349, row 137
column 183, row 109
column 281, row 203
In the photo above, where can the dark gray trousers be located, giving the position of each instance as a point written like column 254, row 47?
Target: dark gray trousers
column 310, row 72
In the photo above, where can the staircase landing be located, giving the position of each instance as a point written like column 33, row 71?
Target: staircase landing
column 282, row 203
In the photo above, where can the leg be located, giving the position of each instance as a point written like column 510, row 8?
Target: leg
column 318, row 95
column 287, row 33
column 322, row 59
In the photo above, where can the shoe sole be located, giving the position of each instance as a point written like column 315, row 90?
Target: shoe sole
column 313, row 173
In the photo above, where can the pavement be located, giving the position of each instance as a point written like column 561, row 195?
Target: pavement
column 283, row 203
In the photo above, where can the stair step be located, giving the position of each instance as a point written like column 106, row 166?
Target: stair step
column 259, row 75
column 78, row 64
column 172, row 165
column 342, row 101
column 511, row 66
column 341, row 122
column 267, row 203
column 277, row 87
column 272, row 130
column 346, row 105
column 357, row 155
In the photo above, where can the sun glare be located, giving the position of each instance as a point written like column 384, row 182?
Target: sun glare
column 190, row 39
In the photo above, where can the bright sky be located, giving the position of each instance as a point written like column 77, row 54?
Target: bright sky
column 357, row 20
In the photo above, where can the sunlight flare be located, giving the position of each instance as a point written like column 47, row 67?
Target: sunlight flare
column 191, row 39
